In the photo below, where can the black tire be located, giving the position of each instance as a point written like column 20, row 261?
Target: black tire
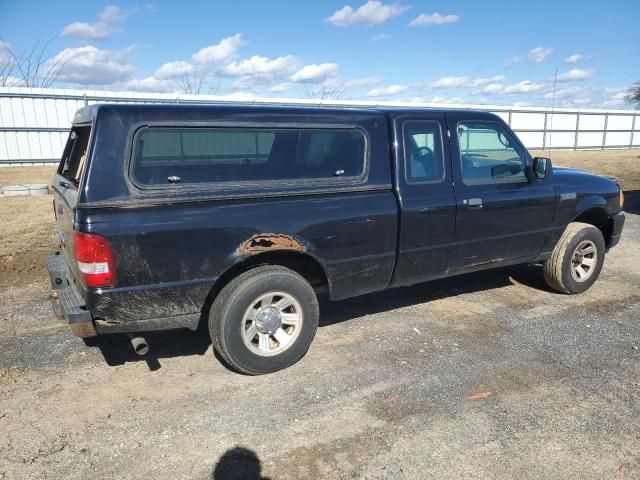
column 227, row 315
column 558, row 268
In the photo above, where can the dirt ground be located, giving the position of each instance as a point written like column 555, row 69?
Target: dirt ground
column 19, row 175
column 489, row 375
column 624, row 165
column 25, row 242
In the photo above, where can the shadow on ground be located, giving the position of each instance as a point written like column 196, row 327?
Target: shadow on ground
column 238, row 463
column 117, row 349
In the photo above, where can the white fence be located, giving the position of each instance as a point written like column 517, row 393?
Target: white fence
column 34, row 123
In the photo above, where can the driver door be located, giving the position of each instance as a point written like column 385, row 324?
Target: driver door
column 502, row 213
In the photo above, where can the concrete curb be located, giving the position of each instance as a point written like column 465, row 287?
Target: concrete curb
column 35, row 189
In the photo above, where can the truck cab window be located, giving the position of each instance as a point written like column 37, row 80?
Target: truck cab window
column 423, row 152
column 489, row 154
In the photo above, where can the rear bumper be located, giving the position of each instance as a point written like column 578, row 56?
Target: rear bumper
column 66, row 300
column 618, row 224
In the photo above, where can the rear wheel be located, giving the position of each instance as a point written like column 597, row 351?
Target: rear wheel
column 264, row 320
column 576, row 260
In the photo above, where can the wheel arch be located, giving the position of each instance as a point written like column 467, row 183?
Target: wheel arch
column 597, row 216
column 303, row 263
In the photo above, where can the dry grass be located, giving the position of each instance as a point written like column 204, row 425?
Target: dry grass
column 624, row 165
column 27, row 224
column 20, row 175
column 27, row 236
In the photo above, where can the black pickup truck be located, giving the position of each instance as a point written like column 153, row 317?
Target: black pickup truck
column 239, row 215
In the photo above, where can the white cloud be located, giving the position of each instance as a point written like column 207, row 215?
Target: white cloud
column 109, row 21
column 223, row 50
column 258, row 67
column 440, row 99
column 526, row 86
column 539, row 54
column 450, row 82
column 380, row 36
column 576, row 74
column 335, row 82
column 433, row 19
column 149, row 84
column 575, row 58
column 615, row 100
column 513, row 60
column 200, row 63
column 521, row 104
column 282, row 87
column 567, row 92
column 581, row 101
column 6, row 59
column 493, row 88
column 92, row 66
column 478, row 82
column 386, row 91
column 361, row 81
column 464, row 81
column 373, row 12
column 173, row 70
column 315, row 73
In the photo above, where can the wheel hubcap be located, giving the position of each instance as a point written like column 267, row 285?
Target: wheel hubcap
column 268, row 320
column 271, row 323
column 583, row 261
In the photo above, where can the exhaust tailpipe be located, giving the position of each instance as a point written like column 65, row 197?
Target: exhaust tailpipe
column 139, row 344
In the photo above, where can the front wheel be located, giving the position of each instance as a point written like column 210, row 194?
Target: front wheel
column 576, row 260
column 264, row 320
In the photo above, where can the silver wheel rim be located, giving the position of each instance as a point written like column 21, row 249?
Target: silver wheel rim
column 271, row 323
column 583, row 261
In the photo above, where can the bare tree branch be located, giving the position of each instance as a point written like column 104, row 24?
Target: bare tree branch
column 193, row 81
column 327, row 89
column 32, row 68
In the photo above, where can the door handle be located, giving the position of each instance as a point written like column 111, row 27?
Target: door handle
column 473, row 202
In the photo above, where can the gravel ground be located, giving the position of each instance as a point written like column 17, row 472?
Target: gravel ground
column 489, row 375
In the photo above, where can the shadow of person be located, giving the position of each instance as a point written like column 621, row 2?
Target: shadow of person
column 238, row 463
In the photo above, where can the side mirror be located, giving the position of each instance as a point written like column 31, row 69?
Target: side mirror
column 541, row 167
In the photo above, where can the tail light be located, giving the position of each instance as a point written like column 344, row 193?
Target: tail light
column 95, row 260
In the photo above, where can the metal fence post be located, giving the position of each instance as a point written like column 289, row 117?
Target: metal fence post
column 575, row 140
column 544, row 132
column 604, row 133
column 633, row 128
column 510, row 112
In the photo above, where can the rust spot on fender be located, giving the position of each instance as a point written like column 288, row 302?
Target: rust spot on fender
column 263, row 242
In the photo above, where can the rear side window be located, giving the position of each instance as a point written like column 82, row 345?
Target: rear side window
column 423, row 152
column 199, row 155
column 75, row 153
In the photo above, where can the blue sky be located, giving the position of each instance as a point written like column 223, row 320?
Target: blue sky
column 495, row 52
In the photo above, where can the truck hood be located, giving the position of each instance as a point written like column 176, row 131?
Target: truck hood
column 566, row 175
